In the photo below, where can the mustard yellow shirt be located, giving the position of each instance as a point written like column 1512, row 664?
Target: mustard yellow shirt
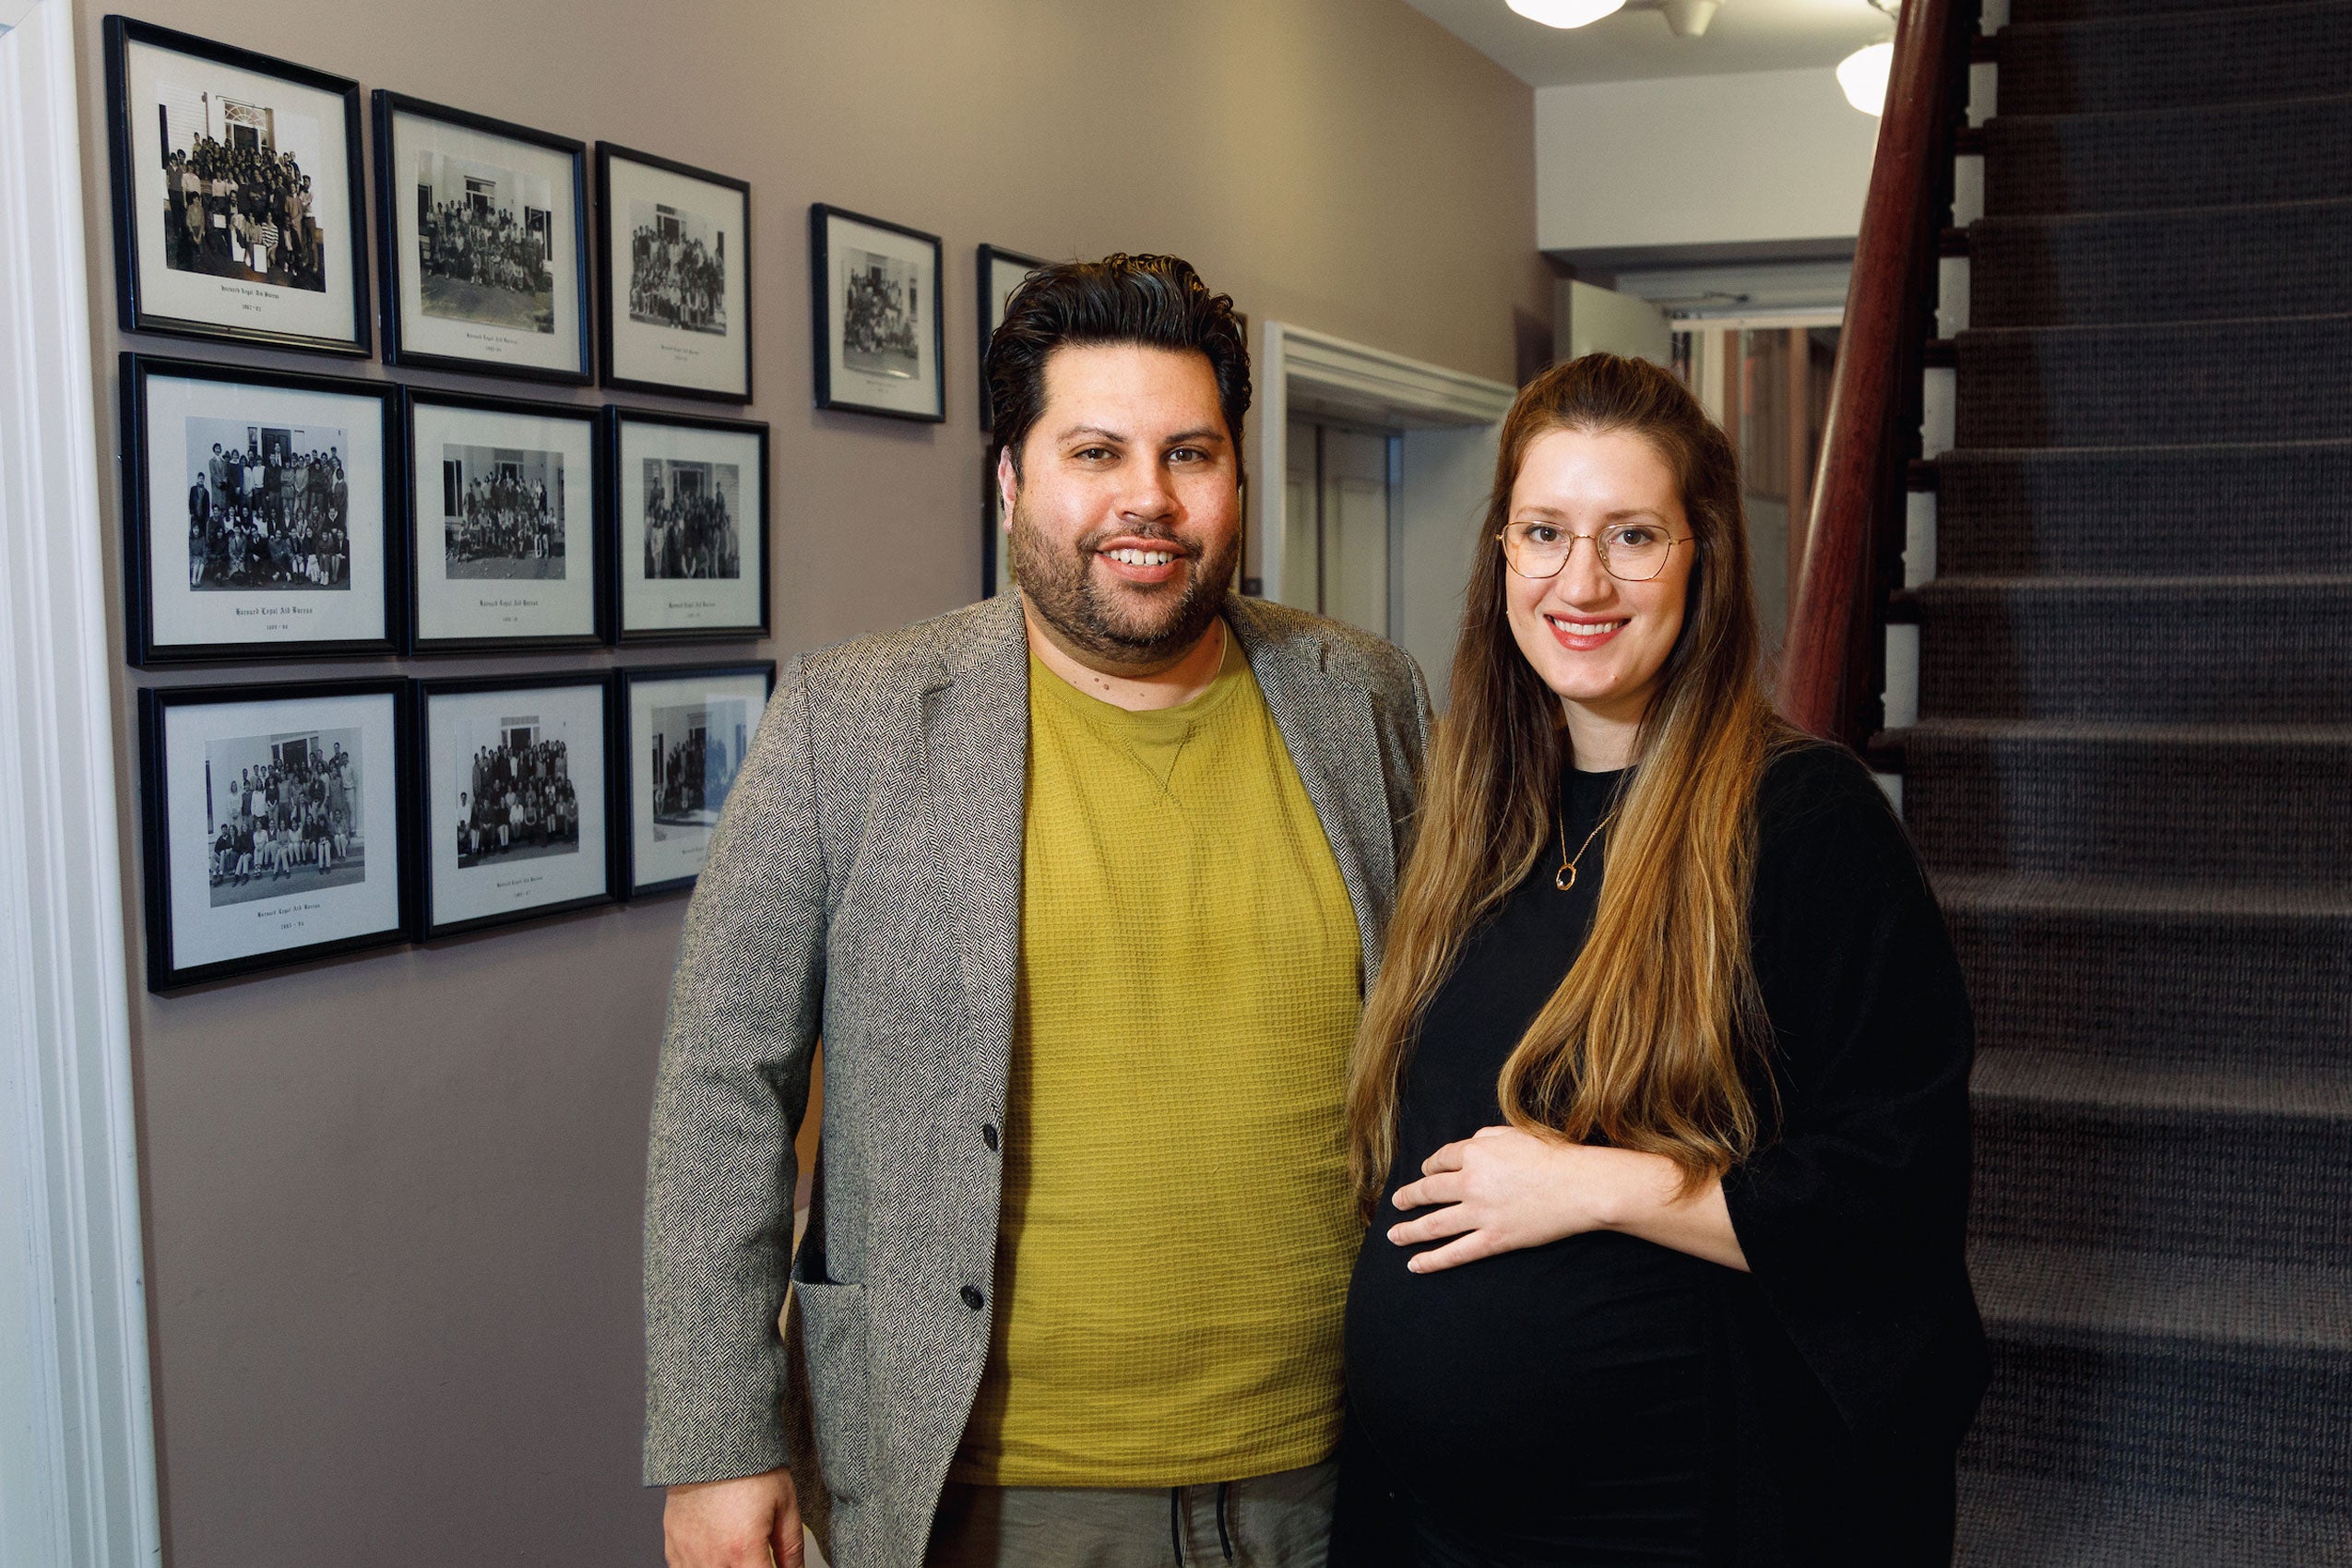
column 1177, row 1231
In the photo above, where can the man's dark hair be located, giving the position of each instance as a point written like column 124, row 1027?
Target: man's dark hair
column 1157, row 300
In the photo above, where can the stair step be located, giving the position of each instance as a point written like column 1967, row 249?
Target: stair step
column 2175, row 384
column 2027, row 13
column 2195, row 264
column 2193, row 650
column 2196, row 1377
column 2284, row 508
column 2065, row 1295
column 2189, row 1162
column 2242, row 978
column 2022, row 1520
column 2297, row 150
column 2177, row 59
column 2069, row 797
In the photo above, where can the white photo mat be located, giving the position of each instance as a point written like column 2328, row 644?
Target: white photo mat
column 646, row 348
column 166, row 88
column 516, row 177
column 719, row 463
column 514, row 877
column 306, row 908
column 899, row 373
column 534, row 594
column 190, row 411
column 670, row 828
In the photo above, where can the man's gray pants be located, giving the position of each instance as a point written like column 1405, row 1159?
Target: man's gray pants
column 1277, row 1521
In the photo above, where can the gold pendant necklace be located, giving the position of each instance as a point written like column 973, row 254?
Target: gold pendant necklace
column 1565, row 877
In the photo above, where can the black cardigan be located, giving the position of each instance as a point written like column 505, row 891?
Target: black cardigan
column 1846, row 1366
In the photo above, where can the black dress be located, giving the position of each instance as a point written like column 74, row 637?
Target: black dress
column 1603, row 1400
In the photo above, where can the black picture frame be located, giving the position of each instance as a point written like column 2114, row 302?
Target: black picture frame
column 135, row 292
column 985, row 263
column 144, row 647
column 596, row 531
column 617, row 549
column 608, row 286
column 821, row 219
column 165, row 970
column 398, row 348
column 996, row 566
column 625, row 765
column 423, row 692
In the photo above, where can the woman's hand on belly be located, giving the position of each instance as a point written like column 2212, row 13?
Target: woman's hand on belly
column 1503, row 1189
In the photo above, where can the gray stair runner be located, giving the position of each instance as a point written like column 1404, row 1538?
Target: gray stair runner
column 2131, row 777
column 2145, row 160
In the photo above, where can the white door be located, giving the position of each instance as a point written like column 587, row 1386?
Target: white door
column 1338, row 531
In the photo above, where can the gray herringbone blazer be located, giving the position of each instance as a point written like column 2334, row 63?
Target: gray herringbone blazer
column 864, row 884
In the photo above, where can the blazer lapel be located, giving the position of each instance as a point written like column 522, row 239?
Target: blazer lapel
column 1333, row 741
column 976, row 744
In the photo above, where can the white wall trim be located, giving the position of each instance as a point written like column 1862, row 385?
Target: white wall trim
column 1299, row 366
column 76, row 1437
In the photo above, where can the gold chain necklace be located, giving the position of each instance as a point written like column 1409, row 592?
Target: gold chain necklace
column 1565, row 877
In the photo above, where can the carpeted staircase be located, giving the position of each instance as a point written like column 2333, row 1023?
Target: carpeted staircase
column 2131, row 777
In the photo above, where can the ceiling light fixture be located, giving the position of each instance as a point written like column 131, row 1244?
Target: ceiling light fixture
column 1863, row 73
column 1864, row 76
column 1566, row 12
column 1689, row 19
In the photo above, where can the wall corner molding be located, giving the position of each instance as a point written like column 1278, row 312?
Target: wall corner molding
column 76, row 1436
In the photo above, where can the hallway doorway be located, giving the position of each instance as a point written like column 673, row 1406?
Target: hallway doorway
column 1339, row 523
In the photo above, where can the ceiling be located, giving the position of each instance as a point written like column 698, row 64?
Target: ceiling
column 1746, row 35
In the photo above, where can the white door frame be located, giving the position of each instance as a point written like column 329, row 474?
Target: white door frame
column 1313, row 372
column 1305, row 369
column 76, row 1436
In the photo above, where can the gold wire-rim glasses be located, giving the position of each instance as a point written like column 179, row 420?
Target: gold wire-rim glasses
column 1600, row 551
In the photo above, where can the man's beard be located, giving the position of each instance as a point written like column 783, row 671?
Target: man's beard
column 1060, row 586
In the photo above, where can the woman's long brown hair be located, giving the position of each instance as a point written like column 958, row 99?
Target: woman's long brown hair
column 1642, row 1044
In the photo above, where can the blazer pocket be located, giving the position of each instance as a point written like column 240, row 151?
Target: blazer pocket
column 833, row 1329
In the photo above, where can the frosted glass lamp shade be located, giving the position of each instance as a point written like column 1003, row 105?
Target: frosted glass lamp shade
column 1864, row 76
column 1566, row 12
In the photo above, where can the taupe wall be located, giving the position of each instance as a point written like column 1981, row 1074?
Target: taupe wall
column 392, row 1201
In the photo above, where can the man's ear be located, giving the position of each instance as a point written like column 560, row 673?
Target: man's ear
column 1008, row 487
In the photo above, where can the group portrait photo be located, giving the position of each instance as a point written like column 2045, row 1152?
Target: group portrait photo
column 237, row 196
column 502, row 512
column 677, row 269
column 517, row 802
column 484, row 244
column 281, row 807
column 881, row 316
column 697, row 749
column 268, row 506
column 692, row 515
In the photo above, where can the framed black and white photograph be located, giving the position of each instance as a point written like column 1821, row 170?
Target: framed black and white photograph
column 275, row 819
column 1000, row 272
column 673, row 290
column 484, row 226
column 690, row 558
column 504, row 524
column 687, row 733
column 514, row 819
column 237, row 193
column 259, row 512
column 996, row 542
column 877, row 293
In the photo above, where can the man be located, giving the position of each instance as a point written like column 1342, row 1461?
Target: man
column 1081, row 888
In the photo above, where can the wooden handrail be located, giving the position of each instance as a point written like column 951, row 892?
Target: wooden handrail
column 1830, row 666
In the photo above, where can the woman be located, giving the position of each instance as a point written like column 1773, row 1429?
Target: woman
column 1660, row 1103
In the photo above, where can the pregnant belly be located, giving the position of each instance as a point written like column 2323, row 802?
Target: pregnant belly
column 1553, row 1397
